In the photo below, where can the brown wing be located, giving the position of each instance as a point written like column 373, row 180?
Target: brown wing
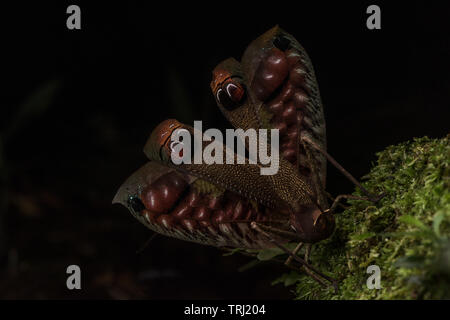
column 184, row 207
column 281, row 92
column 284, row 190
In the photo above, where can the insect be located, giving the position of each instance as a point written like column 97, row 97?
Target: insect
column 234, row 206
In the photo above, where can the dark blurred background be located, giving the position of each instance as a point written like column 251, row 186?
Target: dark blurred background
column 78, row 105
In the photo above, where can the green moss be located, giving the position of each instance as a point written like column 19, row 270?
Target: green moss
column 406, row 234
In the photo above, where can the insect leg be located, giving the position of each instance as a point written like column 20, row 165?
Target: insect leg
column 310, row 270
column 294, row 252
column 345, row 196
column 333, row 199
column 308, row 252
column 280, row 232
column 342, row 170
column 297, row 249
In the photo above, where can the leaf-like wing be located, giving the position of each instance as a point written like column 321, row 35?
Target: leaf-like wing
column 284, row 190
column 179, row 205
column 274, row 86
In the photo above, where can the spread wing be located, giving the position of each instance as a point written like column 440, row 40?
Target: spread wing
column 182, row 206
column 274, row 86
column 282, row 191
column 209, row 204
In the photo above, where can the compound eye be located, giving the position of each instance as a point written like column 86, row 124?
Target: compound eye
column 230, row 95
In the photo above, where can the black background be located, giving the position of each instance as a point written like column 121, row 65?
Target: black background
column 92, row 96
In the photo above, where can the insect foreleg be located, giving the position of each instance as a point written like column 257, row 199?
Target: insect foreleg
column 294, row 252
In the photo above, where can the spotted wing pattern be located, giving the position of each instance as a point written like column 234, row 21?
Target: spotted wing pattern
column 191, row 209
column 277, row 88
column 273, row 87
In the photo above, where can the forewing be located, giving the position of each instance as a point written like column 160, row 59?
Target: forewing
column 184, row 207
column 283, row 89
column 281, row 191
column 281, row 92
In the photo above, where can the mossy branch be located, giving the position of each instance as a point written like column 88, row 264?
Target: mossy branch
column 406, row 234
